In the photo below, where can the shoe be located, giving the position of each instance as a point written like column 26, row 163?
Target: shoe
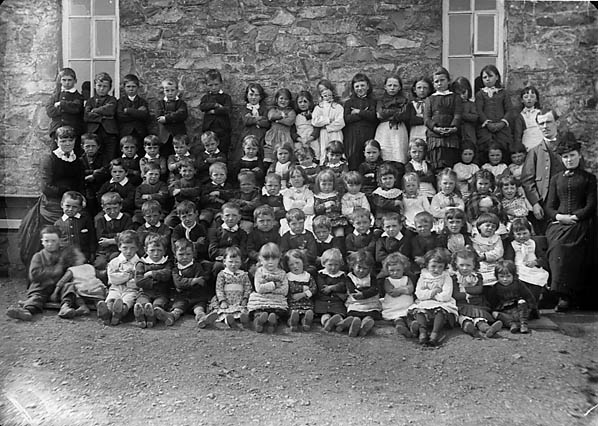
column 366, row 326
column 402, row 330
column 294, row 321
column 423, row 336
column 524, row 328
column 244, row 318
column 259, row 321
column 562, row 306
column 344, row 324
column 434, row 338
column 66, row 311
column 82, row 310
column 19, row 313
column 150, row 319
column 229, row 320
column 494, row 328
column 332, row 322
column 208, row 319
column 161, row 315
column 272, row 322
column 414, row 328
column 468, row 328
column 117, row 310
column 308, row 318
column 514, row 328
column 355, row 327
column 103, row 312
column 139, row 314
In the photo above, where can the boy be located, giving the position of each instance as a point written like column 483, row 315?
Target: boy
column 123, row 291
column 392, row 240
column 130, row 159
column 190, row 229
column 45, row 270
column 362, row 238
column 75, row 225
column 271, row 196
column 299, row 238
column 210, row 155
column 99, row 115
column 194, row 288
column 264, row 232
column 132, row 111
column 120, row 184
column 65, row 107
column 153, row 275
column 217, row 107
column 226, row 235
column 152, row 212
column 152, row 189
column 424, row 241
column 248, row 198
column 180, row 144
column 151, row 145
column 214, row 194
column 95, row 173
column 108, row 224
column 171, row 114
column 186, row 188
column 324, row 239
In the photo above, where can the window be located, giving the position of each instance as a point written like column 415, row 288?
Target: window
column 90, row 39
column 472, row 36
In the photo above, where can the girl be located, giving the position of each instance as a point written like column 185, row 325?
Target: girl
column 306, row 134
column 328, row 117
column 269, row 300
column 469, row 116
column 353, row 198
column 434, row 292
column 284, row 157
column 493, row 105
column 328, row 201
column 526, row 131
column 305, row 161
column 466, row 169
column 421, row 89
column 418, row 164
column 282, row 117
column 413, row 200
column 334, row 159
column 360, row 119
column 487, row 245
column 483, row 185
column 398, row 290
column 512, row 199
column 301, row 289
column 332, row 288
column 250, row 161
column 442, row 117
column 391, row 110
column 386, row 198
column 255, row 120
column 369, row 168
column 454, row 236
column 495, row 164
column 447, row 197
column 474, row 311
column 363, row 301
column 517, row 160
column 298, row 196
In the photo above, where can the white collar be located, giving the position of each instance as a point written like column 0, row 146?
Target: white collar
column 108, row 218
column 221, row 185
column 443, row 93
column 490, row 91
column 186, row 154
column 215, row 152
column 360, row 282
column 220, row 92
column 227, row 228
column 64, row 217
column 324, row 195
column 388, row 193
column 293, row 234
column 265, row 192
column 134, row 158
column 189, row 228
column 147, row 225
column 358, row 234
column 134, row 259
column 122, row 182
column 326, row 241
column 151, row 158
column 302, row 277
column 235, row 274
column 245, row 158
column 149, row 261
column 71, row 90
column 63, row 156
column 399, row 236
column 132, row 99
column 175, row 99
column 181, row 267
column 338, row 274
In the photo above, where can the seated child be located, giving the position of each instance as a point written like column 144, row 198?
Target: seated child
column 386, row 198
column 517, row 160
column 330, row 298
column 190, row 229
column 488, row 246
column 153, row 276
column 392, row 240
column 75, row 225
column 495, row 164
column 398, row 292
column 151, row 145
column 512, row 198
column 327, row 201
column 353, row 198
column 335, row 161
column 298, row 196
column 483, row 188
column 229, row 234
column 123, row 290
column 454, row 236
column 362, row 238
column 466, row 169
column 108, row 224
column 418, row 164
column 269, row 300
column 297, row 237
column 120, row 184
column 130, row 159
column 283, row 163
column 324, row 238
column 447, row 197
column 424, row 240
column 214, row 194
column 369, row 168
column 251, row 161
column 306, row 162
column 187, row 188
column 210, row 155
column 414, row 201
column 247, row 197
column 180, row 144
column 272, row 197
column 152, row 189
column 152, row 212
column 302, row 287
column 93, row 169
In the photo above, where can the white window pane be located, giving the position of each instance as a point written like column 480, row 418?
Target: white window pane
column 485, row 36
column 460, row 34
column 103, row 7
column 83, row 71
column 104, row 38
column 81, row 7
column 458, row 5
column 460, row 67
column 485, row 4
column 80, row 40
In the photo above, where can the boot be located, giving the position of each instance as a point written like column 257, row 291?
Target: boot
column 355, row 327
column 294, row 321
column 494, row 328
column 523, row 309
column 401, row 328
column 19, row 313
column 229, row 320
column 150, row 319
column 468, row 327
column 332, row 322
column 259, row 321
column 366, row 326
column 208, row 319
column 344, row 324
column 272, row 322
column 66, row 311
column 82, row 308
column 423, row 335
column 103, row 312
column 308, row 318
column 244, row 318
column 117, row 312
column 139, row 313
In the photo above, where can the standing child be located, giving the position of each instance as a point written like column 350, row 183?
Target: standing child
column 120, row 184
column 76, row 226
column 108, row 225
column 414, row 201
column 327, row 201
column 211, row 154
column 284, row 161
column 526, row 132
column 302, row 288
column 421, row 89
column 469, row 116
column 171, row 113
column 306, row 162
column 328, row 117
column 495, row 163
column 360, row 119
column 369, row 168
column 465, row 169
column 447, row 197
column 100, row 111
column 130, row 159
column 250, row 159
column 180, row 144
column 298, row 196
column 282, row 117
column 434, row 292
column 269, row 300
column 419, row 165
column 255, row 119
column 398, row 290
column 65, row 107
column 488, row 245
column 151, row 145
column 217, row 107
column 332, row 290
column 353, row 198
column 454, row 236
column 132, row 111
column 307, row 136
column 392, row 112
column 386, row 198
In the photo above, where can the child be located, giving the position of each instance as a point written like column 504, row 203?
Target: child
column 180, row 144
column 414, row 202
column 75, row 225
column 130, row 159
column 435, row 303
column 454, row 235
column 272, row 197
column 256, row 119
column 45, row 269
column 465, row 170
column 298, row 196
column 153, row 276
column 392, row 112
column 474, row 312
column 512, row 199
column 187, row 188
column 328, row 117
column 99, row 115
column 151, row 145
column 386, row 198
column 493, row 105
column 302, row 287
column 171, row 114
column 306, row 162
column 152, row 189
column 332, row 290
column 210, row 155
column 65, row 106
column 190, row 229
column 392, row 240
column 151, row 213
column 123, row 290
column 369, row 168
column 226, row 235
column 132, row 111
column 363, row 301
column 447, row 197
column 193, row 285
column 108, row 225
column 324, row 238
column 269, row 300
column 282, row 117
column 232, row 290
column 418, row 164
column 297, row 237
column 398, row 292
column 469, row 116
column 93, row 170
column 264, row 232
column 284, row 161
column 247, row 197
column 424, row 240
column 360, row 119
column 353, row 198
column 250, row 160
column 334, row 160
column 361, row 238
column 307, row 136
column 488, row 245
column 526, row 132
column 214, row 194
column 217, row 107
column 517, row 159
column 327, row 201
column 483, row 190
column 421, row 89
column 495, row 164
column 510, row 300
column 120, row 184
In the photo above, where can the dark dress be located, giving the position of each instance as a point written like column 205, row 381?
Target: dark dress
column 571, row 253
column 442, row 111
column 358, row 128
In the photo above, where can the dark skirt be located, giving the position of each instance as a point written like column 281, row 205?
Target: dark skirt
column 45, row 212
column 330, row 307
column 474, row 312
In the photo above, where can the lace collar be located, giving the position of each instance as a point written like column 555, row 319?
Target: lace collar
column 69, row 158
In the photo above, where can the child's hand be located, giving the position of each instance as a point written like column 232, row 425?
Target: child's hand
column 103, row 242
column 395, row 292
column 161, row 119
column 89, row 178
column 420, row 260
column 355, row 111
column 358, row 295
column 198, row 280
column 268, row 287
column 298, row 296
column 531, row 263
column 149, row 197
column 397, row 203
column 223, row 304
column 177, row 191
column 201, row 240
column 148, row 274
column 369, row 175
column 215, row 194
column 56, row 104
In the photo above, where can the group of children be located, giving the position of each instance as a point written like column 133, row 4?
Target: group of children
column 350, row 214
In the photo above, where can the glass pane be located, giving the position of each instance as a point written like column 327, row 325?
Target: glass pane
column 104, row 66
column 103, row 7
column 460, row 34
column 485, row 4
column 80, row 40
column 80, row 7
column 455, row 5
column 460, row 67
column 485, row 41
column 104, row 38
column 83, row 71
column 480, row 62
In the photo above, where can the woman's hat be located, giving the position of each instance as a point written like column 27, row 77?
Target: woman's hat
column 567, row 144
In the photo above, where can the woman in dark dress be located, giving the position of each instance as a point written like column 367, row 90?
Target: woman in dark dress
column 571, row 205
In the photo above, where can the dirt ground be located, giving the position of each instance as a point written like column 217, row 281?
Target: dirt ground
column 79, row 372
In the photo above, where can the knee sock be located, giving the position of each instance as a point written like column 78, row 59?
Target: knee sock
column 438, row 322
column 421, row 320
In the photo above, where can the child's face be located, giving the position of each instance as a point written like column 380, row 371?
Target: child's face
column 395, row 270
column 392, row 86
column 210, row 145
column 422, row 89
column 152, row 218
column 169, row 92
column 214, row 86
column 128, row 250
column 440, row 82
column 361, row 224
column 489, row 78
column 522, row 235
column 483, row 186
column 332, row 266
column 253, row 96
column 306, row 159
column 295, row 265
column 321, row 232
column 270, row 264
column 232, row 263
column 518, row 158
column 67, row 82
column 129, row 150
column 272, row 187
column 327, row 185
column 131, row 89
column 102, row 88
column 487, row 229
column 155, row 251
column 250, row 150
column 529, row 99
column 423, row 227
column 467, row 156
column 189, row 218
column 371, row 153
column 360, row 270
column 334, row 157
column 302, row 103
column 454, row 225
column 326, row 95
column 353, row 188
column 447, row 185
column 66, row 144
column 187, row 172
column 464, row 96
column 283, row 156
column 296, row 179
column 180, row 149
column 416, row 153
column 411, row 187
column 152, row 149
column 118, row 173
column 90, row 147
column 282, row 101
column 297, row 226
column 505, row 278
column 264, row 223
column 184, row 256
column 51, row 242
column 465, row 266
column 246, row 186
column 361, row 88
column 71, row 207
column 112, row 209
column 392, row 227
column 509, row 190
column 231, row 217
column 436, row 268
column 218, row 176
column 494, row 156
column 387, row 181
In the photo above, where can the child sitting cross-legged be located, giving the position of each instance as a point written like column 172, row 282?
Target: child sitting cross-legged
column 302, row 287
